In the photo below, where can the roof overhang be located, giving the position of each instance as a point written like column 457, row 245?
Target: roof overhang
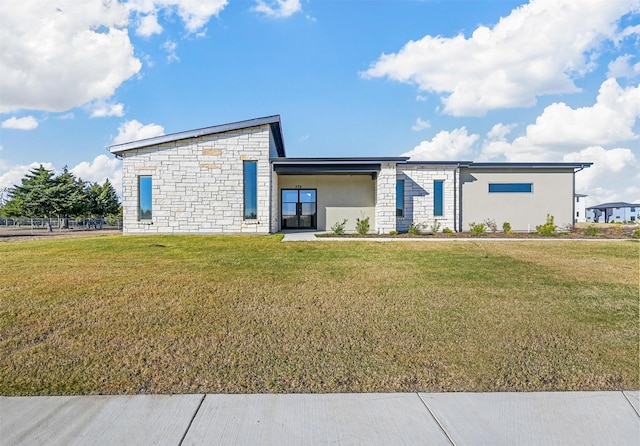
column 574, row 166
column 272, row 121
column 331, row 166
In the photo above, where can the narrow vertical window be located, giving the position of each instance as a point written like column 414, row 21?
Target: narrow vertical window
column 400, row 198
column 144, row 198
column 438, row 198
column 250, row 190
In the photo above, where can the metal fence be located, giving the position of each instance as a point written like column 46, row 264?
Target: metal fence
column 61, row 223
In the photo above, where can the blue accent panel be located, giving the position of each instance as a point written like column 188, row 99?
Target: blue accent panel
column 400, row 198
column 438, row 198
column 510, row 187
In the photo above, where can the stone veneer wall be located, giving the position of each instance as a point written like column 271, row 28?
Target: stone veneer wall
column 418, row 196
column 386, row 199
column 197, row 184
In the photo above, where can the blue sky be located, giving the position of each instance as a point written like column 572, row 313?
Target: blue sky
column 545, row 80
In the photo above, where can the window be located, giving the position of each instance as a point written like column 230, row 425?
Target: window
column 400, row 198
column 250, row 169
column 633, row 209
column 510, row 187
column 578, row 214
column 144, row 198
column 438, row 198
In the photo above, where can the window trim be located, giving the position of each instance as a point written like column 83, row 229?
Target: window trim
column 510, row 188
column 245, row 197
column 142, row 217
column 438, row 198
column 400, row 199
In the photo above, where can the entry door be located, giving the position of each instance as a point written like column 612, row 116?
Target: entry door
column 299, row 209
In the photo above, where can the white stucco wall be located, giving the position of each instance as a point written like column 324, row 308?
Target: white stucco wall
column 553, row 193
column 197, row 184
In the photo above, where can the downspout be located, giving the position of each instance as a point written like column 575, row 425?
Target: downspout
column 460, row 200
column 573, row 198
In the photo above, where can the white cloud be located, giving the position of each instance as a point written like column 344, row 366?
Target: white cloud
column 561, row 129
column 56, row 56
column 622, row 67
column 194, row 13
column 170, row 47
column 525, row 55
column 614, row 175
column 278, row 8
column 148, row 25
column 420, row 124
column 25, row 123
column 101, row 168
column 103, row 109
column 134, row 131
column 445, row 146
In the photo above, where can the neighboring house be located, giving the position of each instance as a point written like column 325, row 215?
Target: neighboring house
column 613, row 212
column 236, row 178
column 581, row 208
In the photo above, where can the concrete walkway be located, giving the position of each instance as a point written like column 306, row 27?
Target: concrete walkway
column 310, row 236
column 554, row 418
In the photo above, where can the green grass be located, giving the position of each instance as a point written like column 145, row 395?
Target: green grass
column 185, row 314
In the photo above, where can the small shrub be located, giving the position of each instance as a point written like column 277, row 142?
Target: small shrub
column 477, row 229
column 636, row 232
column 435, row 227
column 506, row 228
column 447, row 231
column 393, row 232
column 491, row 224
column 592, row 231
column 338, row 228
column 362, row 225
column 549, row 228
column 416, row 228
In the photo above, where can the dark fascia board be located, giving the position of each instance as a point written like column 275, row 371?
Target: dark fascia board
column 580, row 166
column 337, row 161
column 438, row 163
column 273, row 121
column 329, row 166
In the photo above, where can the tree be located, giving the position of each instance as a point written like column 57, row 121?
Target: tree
column 102, row 200
column 68, row 196
column 33, row 197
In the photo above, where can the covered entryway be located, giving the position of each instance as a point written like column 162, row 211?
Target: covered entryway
column 299, row 209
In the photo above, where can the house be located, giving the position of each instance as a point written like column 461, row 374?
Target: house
column 617, row 212
column 237, row 178
column 581, row 208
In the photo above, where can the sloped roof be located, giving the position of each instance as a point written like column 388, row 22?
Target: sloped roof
column 273, row 121
column 615, row 204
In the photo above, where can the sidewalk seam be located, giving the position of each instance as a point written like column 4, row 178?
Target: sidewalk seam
column 629, row 401
column 436, row 420
column 191, row 421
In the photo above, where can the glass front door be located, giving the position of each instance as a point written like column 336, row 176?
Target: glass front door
column 299, row 209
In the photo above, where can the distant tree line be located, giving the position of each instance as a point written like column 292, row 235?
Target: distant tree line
column 43, row 194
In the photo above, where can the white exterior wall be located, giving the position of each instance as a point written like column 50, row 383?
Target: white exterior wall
column 197, row 184
column 580, row 209
column 386, row 199
column 419, row 200
column 552, row 194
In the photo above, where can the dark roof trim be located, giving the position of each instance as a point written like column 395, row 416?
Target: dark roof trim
column 580, row 166
column 326, row 169
column 439, row 163
column 337, row 161
column 273, row 121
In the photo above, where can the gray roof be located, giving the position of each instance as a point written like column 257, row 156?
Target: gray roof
column 273, row 121
column 615, row 204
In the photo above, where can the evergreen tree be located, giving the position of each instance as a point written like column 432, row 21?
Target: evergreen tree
column 34, row 196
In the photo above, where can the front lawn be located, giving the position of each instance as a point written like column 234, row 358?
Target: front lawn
column 186, row 314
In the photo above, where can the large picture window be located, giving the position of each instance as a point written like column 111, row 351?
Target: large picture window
column 438, row 198
column 250, row 169
column 144, row 198
column 510, row 187
column 400, row 198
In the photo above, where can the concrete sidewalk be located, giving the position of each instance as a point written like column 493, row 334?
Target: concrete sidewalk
column 538, row 418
